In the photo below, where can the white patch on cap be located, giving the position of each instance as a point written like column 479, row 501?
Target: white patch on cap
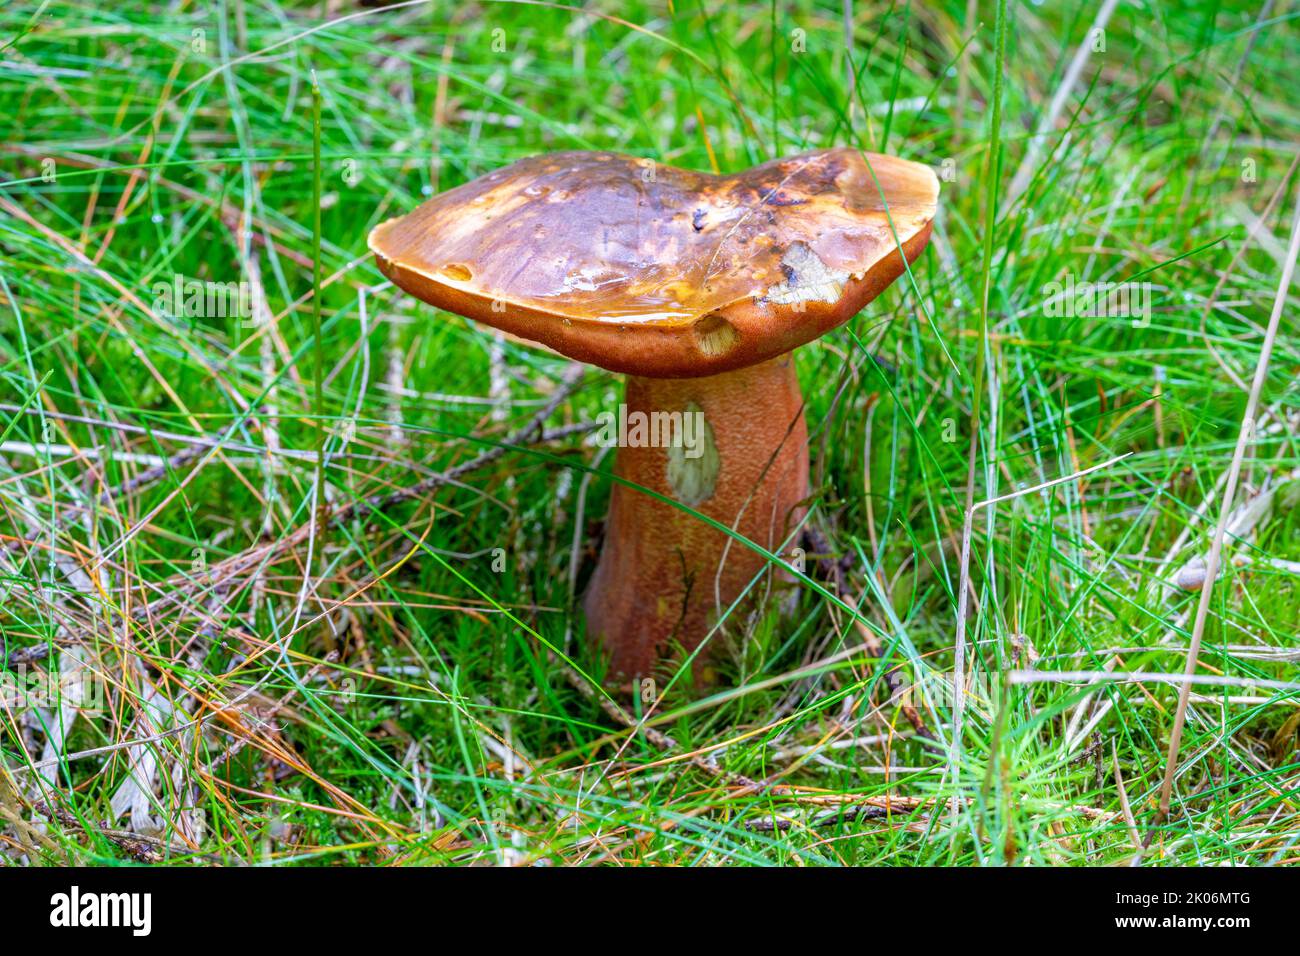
column 808, row 279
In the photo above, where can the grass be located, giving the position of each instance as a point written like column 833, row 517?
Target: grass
column 391, row 688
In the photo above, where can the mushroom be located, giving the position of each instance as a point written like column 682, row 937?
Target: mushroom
column 698, row 287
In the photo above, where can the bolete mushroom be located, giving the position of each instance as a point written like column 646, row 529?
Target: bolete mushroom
column 697, row 287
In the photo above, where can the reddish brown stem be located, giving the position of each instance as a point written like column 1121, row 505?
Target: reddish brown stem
column 657, row 590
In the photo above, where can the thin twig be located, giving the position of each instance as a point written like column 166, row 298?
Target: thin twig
column 1123, row 799
column 1033, row 155
column 1244, row 436
column 662, row 741
column 140, row 847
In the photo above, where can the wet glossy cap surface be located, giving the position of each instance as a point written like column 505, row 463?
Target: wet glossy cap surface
column 646, row 268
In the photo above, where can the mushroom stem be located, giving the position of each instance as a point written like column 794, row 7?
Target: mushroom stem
column 665, row 577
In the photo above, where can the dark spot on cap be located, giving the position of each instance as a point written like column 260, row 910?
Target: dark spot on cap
column 697, row 219
column 778, row 198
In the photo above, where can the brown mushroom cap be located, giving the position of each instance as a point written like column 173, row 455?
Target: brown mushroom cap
column 657, row 271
